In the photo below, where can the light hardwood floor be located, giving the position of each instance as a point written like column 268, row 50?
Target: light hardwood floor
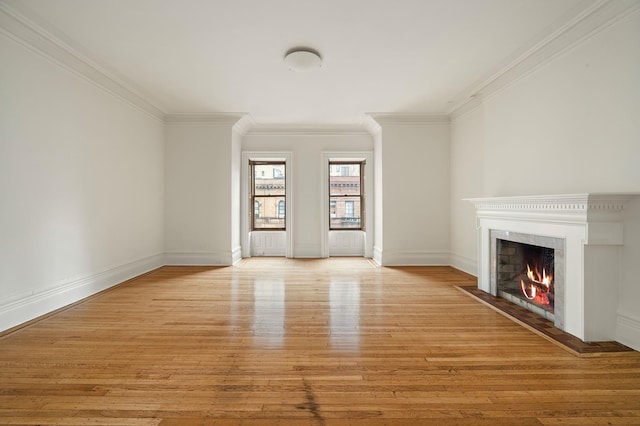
column 296, row 342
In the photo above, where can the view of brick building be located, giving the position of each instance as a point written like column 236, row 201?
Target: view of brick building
column 345, row 195
column 268, row 196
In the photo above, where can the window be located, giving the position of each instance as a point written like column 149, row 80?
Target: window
column 268, row 195
column 348, row 209
column 346, row 197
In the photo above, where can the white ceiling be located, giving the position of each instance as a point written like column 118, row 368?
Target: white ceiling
column 393, row 56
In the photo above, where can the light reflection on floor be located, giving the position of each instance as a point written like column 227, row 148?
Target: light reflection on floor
column 269, row 312
column 269, row 325
column 344, row 308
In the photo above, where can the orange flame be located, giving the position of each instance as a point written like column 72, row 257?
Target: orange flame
column 544, row 279
column 539, row 286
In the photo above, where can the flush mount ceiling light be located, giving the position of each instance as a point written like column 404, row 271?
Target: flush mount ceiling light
column 302, row 59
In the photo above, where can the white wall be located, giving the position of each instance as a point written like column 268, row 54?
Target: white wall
column 306, row 149
column 415, row 184
column 628, row 324
column 198, row 198
column 571, row 126
column 81, row 178
column 467, row 181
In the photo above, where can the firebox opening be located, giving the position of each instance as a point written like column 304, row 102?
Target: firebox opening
column 525, row 275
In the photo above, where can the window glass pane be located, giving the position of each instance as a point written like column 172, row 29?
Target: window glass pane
column 269, row 179
column 270, row 214
column 346, row 214
column 344, row 179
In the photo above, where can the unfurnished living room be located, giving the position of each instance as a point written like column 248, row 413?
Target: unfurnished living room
column 298, row 212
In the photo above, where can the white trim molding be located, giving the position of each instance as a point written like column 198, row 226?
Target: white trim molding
column 210, row 119
column 583, row 22
column 35, row 305
column 307, row 252
column 464, row 264
column 414, row 258
column 383, row 118
column 569, row 208
column 377, row 255
column 236, row 255
column 243, row 125
column 371, row 126
column 628, row 330
column 199, row 258
column 24, row 31
column 305, row 129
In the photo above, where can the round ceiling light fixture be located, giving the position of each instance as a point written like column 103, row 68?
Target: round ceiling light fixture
column 302, row 59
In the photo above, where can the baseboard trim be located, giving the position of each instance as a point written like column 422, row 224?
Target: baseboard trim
column 464, row 264
column 308, row 253
column 209, row 258
column 628, row 331
column 414, row 258
column 346, row 252
column 377, row 255
column 18, row 312
column 236, row 255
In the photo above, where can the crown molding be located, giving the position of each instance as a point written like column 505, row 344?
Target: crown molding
column 243, row 125
column 592, row 17
column 371, row 125
column 471, row 105
column 383, row 118
column 211, row 119
column 20, row 29
column 307, row 129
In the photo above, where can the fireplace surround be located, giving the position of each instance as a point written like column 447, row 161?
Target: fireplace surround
column 585, row 232
column 528, row 270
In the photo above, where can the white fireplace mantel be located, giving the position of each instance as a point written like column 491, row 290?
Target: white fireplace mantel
column 591, row 226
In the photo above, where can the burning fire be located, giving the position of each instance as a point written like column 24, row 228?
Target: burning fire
column 538, row 286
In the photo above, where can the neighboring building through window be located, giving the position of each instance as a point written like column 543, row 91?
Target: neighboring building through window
column 348, row 209
column 346, row 196
column 268, row 193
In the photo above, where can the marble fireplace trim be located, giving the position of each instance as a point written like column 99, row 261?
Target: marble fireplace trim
column 554, row 243
column 590, row 226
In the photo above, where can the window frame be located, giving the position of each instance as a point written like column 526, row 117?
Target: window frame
column 253, row 196
column 361, row 195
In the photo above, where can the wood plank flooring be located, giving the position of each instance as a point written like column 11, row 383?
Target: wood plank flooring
column 297, row 342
